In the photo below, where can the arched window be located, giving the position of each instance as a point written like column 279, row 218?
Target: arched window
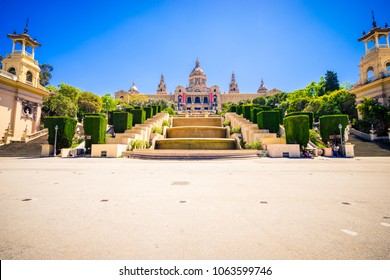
column 205, row 100
column 215, row 98
column 215, row 90
column 189, row 100
column 121, row 97
column 29, row 77
column 12, row 70
column 388, row 66
column 179, row 98
column 197, row 99
column 370, row 74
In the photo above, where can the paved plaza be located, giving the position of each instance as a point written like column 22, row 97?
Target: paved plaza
column 258, row 208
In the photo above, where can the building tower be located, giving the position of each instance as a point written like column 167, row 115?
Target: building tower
column 233, row 87
column 162, row 87
column 374, row 65
column 20, row 91
column 262, row 88
column 21, row 61
column 133, row 89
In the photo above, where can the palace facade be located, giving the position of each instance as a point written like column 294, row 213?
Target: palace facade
column 197, row 96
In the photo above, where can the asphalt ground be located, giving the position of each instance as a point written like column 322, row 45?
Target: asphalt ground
column 257, row 208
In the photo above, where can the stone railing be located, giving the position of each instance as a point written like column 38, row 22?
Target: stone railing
column 8, row 75
column 28, row 138
column 366, row 136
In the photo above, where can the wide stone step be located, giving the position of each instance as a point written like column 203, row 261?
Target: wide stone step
column 196, row 132
column 196, row 144
column 191, row 154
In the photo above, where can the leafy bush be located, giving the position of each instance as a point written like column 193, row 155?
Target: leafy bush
column 110, row 115
column 95, row 129
column 226, row 123
column 236, row 129
column 166, row 123
column 170, row 111
column 309, row 114
column 65, row 132
column 139, row 116
column 297, row 130
column 268, row 120
column 138, row 144
column 253, row 145
column 156, row 129
column 315, row 138
column 281, row 114
column 329, row 125
column 122, row 121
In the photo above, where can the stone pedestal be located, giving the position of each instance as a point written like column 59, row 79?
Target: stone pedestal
column 349, row 150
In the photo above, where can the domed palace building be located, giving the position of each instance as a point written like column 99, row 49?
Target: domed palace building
column 197, row 96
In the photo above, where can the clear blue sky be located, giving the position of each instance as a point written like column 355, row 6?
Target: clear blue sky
column 103, row 46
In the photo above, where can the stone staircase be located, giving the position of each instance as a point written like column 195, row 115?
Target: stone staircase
column 364, row 148
column 19, row 149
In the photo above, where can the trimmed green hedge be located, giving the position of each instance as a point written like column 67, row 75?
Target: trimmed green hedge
column 239, row 109
column 281, row 114
column 95, row 129
column 155, row 109
column 268, row 120
column 65, row 132
column 329, row 125
column 110, row 115
column 122, row 121
column 148, row 112
column 297, row 130
column 254, row 112
column 139, row 115
column 246, row 111
column 233, row 109
column 309, row 114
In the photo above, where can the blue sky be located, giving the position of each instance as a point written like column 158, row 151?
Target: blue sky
column 103, row 46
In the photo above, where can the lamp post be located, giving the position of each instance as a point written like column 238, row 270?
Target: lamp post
column 55, row 140
column 341, row 139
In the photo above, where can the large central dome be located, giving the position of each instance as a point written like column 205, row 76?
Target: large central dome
column 197, row 71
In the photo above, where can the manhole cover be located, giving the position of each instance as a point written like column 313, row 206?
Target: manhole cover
column 104, row 200
column 346, row 203
column 180, row 183
column 263, row 202
column 183, row 201
column 26, row 199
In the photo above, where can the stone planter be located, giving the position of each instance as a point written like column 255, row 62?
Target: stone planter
column 327, row 152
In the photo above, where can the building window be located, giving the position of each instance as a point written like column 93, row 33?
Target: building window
column 205, row 100
column 189, row 100
column 29, row 77
column 388, row 66
column 12, row 70
column 179, row 98
column 215, row 90
column 370, row 74
column 197, row 99
column 215, row 98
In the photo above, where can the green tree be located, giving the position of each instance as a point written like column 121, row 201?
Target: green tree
column 88, row 103
column 59, row 105
column 374, row 113
column 45, row 74
column 259, row 100
column 69, row 91
column 109, row 103
column 331, row 81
